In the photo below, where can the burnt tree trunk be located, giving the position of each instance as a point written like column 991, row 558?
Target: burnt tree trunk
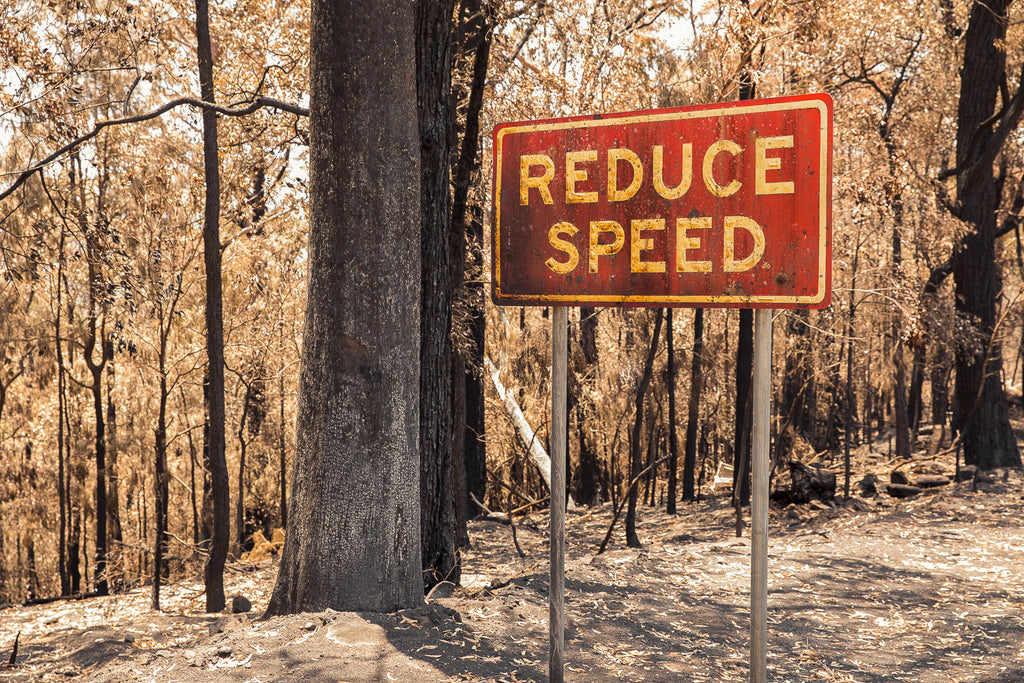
column 745, row 338
column 75, row 550
column 693, row 406
column 904, row 438
column 744, row 383
column 850, row 399
column 62, row 424
column 438, row 519
column 113, row 506
column 474, row 48
column 240, row 481
column 192, row 460
column 282, row 471
column 632, row 540
column 588, row 476
column 353, row 536
column 206, row 508
column 93, row 340
column 673, row 441
column 914, row 401
column 213, row 572
column 160, row 477
column 988, row 440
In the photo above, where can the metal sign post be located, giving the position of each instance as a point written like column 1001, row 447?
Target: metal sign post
column 556, row 591
column 761, row 416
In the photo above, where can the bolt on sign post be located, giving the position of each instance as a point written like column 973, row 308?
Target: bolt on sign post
column 722, row 205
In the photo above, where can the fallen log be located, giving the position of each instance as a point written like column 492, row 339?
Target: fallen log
column 899, row 478
column 526, row 434
column 927, row 481
column 808, row 482
column 903, row 490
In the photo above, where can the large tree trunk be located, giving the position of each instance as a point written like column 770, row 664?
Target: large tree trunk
column 988, row 440
column 353, row 537
column 213, row 572
column 474, row 48
column 437, row 464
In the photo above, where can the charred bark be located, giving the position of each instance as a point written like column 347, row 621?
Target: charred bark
column 353, row 536
column 632, row 540
column 673, row 441
column 438, row 475
column 988, row 439
column 213, row 572
column 693, row 405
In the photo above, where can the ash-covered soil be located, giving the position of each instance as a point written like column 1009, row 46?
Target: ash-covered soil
column 924, row 589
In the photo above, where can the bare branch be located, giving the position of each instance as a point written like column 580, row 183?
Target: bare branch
column 243, row 108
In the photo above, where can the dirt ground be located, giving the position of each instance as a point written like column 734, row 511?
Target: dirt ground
column 929, row 588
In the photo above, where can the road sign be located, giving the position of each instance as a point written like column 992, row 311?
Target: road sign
column 715, row 205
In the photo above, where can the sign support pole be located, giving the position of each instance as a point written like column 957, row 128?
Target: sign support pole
column 556, row 587
column 760, row 437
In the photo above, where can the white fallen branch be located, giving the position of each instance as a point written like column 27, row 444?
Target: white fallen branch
column 537, row 453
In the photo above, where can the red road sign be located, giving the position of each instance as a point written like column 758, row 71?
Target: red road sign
column 716, row 205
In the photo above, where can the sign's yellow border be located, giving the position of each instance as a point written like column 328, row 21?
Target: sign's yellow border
column 824, row 199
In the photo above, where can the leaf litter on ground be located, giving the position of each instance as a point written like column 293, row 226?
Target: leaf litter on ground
column 924, row 589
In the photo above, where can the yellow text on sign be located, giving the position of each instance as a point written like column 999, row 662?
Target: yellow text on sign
column 608, row 238
column 537, row 171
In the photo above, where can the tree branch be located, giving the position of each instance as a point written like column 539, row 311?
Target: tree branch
column 1008, row 117
column 243, row 108
column 939, row 273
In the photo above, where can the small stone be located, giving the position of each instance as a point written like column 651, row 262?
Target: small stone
column 229, row 623
column 899, row 478
column 868, row 485
column 309, row 626
column 129, row 638
column 928, row 481
column 240, row 603
column 224, row 651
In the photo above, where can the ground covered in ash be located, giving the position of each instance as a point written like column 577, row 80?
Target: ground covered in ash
column 875, row 589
